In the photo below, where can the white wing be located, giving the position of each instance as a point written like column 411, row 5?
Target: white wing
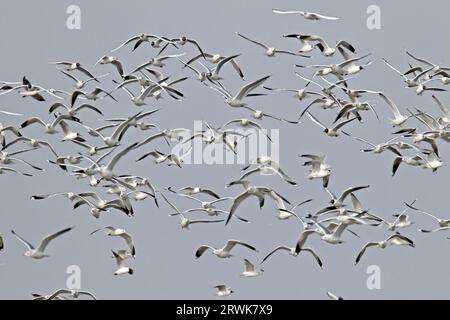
column 44, row 243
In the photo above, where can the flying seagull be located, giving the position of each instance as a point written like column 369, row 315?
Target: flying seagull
column 116, row 232
column 395, row 239
column 306, row 15
column 222, row 252
column 38, row 253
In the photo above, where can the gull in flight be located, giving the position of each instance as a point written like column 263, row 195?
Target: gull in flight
column 332, row 296
column 50, row 128
column 177, row 134
column 60, row 294
column 379, row 148
column 222, row 252
column 31, row 90
column 445, row 119
column 249, row 270
column 435, row 68
column 198, row 190
column 136, row 121
column 157, row 62
column 295, row 251
column 101, row 205
column 306, row 15
column 38, row 253
column 121, row 267
column 326, row 50
column 444, row 224
column 415, row 161
column 331, row 132
column 182, row 41
column 215, row 59
column 266, row 165
column 245, row 123
column 332, row 235
column 445, row 79
column 399, row 118
column 223, row 290
column 268, row 170
column 115, row 138
column 339, row 202
column 319, row 169
column 300, row 94
column 204, row 204
column 285, row 214
column 153, row 89
column 70, row 66
column 306, row 46
column 402, row 220
column 271, row 51
column 258, row 114
column 7, row 158
column 112, row 60
column 325, row 103
column 185, row 222
column 106, row 170
column 219, row 136
column 433, row 162
column 417, row 81
column 211, row 75
column 116, row 232
column 143, row 37
column 236, row 100
column 92, row 150
column 170, row 158
column 353, row 94
column 3, row 131
column 201, row 75
column 346, row 68
column 395, row 239
column 421, row 88
column 91, row 95
column 250, row 190
column 69, row 195
column 79, row 84
column 73, row 111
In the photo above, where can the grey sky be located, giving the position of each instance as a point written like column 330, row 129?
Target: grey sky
column 165, row 267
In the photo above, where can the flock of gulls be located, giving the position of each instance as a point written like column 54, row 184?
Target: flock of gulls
column 329, row 86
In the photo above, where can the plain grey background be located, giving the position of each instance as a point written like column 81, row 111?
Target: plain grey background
column 165, row 268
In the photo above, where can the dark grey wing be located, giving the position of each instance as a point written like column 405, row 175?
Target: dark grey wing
column 396, row 164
